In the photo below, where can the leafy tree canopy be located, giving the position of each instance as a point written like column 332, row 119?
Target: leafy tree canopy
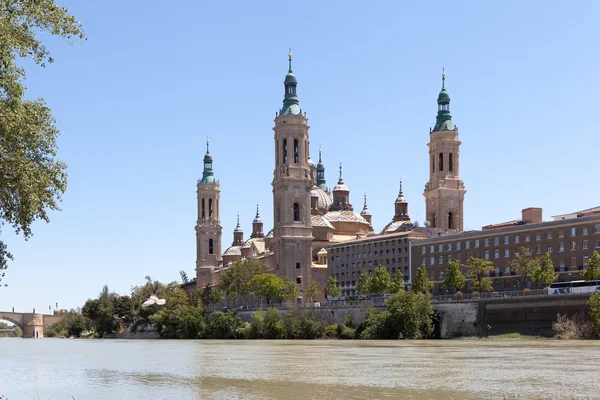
column 422, row 283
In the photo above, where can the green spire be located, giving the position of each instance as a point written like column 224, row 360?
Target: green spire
column 443, row 121
column 290, row 100
column 208, row 175
column 321, row 183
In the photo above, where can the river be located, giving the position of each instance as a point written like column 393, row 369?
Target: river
column 326, row 369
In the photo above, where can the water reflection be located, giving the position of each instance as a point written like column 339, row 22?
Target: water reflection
column 460, row 369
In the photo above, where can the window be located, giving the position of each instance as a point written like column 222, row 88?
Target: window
column 573, row 261
column 441, row 162
column 496, row 241
column 423, row 261
column 468, row 244
column 549, row 235
column 202, row 208
column 506, row 239
column 573, row 245
column 561, row 246
column 585, row 262
column 299, row 280
column 486, row 242
column 450, row 162
column 507, row 269
column 538, row 249
column 517, row 239
column 561, row 266
column 210, row 246
column 296, row 212
column 527, row 238
column 298, row 265
column 449, row 246
column 476, row 243
column 561, row 233
column 423, row 249
column 285, row 151
column 597, row 244
column 441, row 259
column 496, row 253
column 506, row 253
column 457, row 245
column 440, row 248
column 573, row 231
column 538, row 236
column 487, row 255
column 449, row 258
column 585, row 245
column 431, row 249
column 597, row 228
column 296, row 151
column 584, row 231
column 431, row 260
column 549, row 249
column 210, row 208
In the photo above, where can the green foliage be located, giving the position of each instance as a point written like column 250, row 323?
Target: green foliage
column 380, row 281
column 454, row 278
column 225, row 325
column 422, row 283
column 17, row 333
column 105, row 311
column 140, row 316
column 257, row 325
column 594, row 313
column 310, row 328
column 332, row 331
column 397, row 283
column 71, row 323
column 478, row 267
column 207, row 296
column 177, row 319
column 525, row 264
column 268, row 285
column 408, row 315
column 290, row 290
column 313, row 290
column 274, row 327
column 363, row 286
column 543, row 273
column 332, row 289
column 237, row 278
column 32, row 180
column 592, row 272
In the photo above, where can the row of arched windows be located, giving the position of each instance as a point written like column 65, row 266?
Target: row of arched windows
column 441, row 162
column 210, row 208
column 450, row 224
column 296, row 152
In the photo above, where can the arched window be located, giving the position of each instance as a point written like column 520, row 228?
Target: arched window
column 296, row 151
column 210, row 246
column 296, row 212
column 210, row 209
column 285, row 151
column 441, row 163
column 203, row 208
column 433, row 163
column 450, row 162
column 450, row 221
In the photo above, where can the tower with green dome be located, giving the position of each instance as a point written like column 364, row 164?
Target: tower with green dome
column 445, row 191
column 292, row 183
column 208, row 225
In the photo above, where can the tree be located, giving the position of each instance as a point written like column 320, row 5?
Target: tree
column 593, row 270
column 380, row 281
column 207, row 296
column 454, row 278
column 363, row 286
column 332, row 289
column 290, row 290
column 525, row 264
column 543, row 273
column 397, row 283
column 422, row 283
column 267, row 285
column 235, row 280
column 477, row 268
column 594, row 312
column 177, row 319
column 313, row 290
column 32, row 180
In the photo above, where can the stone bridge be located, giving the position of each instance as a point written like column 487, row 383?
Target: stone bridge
column 32, row 324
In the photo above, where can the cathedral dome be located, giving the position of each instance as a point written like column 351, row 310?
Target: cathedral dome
column 323, row 199
column 443, row 97
column 398, row 226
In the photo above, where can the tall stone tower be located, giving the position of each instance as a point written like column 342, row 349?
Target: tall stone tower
column 208, row 226
column 292, row 181
column 445, row 192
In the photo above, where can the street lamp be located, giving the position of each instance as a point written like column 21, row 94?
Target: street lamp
column 571, row 280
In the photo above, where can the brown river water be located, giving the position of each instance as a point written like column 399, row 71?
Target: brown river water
column 325, row 369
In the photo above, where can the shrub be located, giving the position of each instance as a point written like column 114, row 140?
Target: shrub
column 274, row 327
column 572, row 328
column 332, row 331
column 310, row 328
column 347, row 333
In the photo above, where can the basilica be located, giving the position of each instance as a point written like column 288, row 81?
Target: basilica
column 309, row 216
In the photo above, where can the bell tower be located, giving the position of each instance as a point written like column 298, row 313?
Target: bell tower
column 445, row 192
column 208, row 225
column 292, row 182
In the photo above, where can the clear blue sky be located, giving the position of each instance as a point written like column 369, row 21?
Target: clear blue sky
column 136, row 101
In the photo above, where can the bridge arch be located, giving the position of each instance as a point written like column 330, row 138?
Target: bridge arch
column 16, row 319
